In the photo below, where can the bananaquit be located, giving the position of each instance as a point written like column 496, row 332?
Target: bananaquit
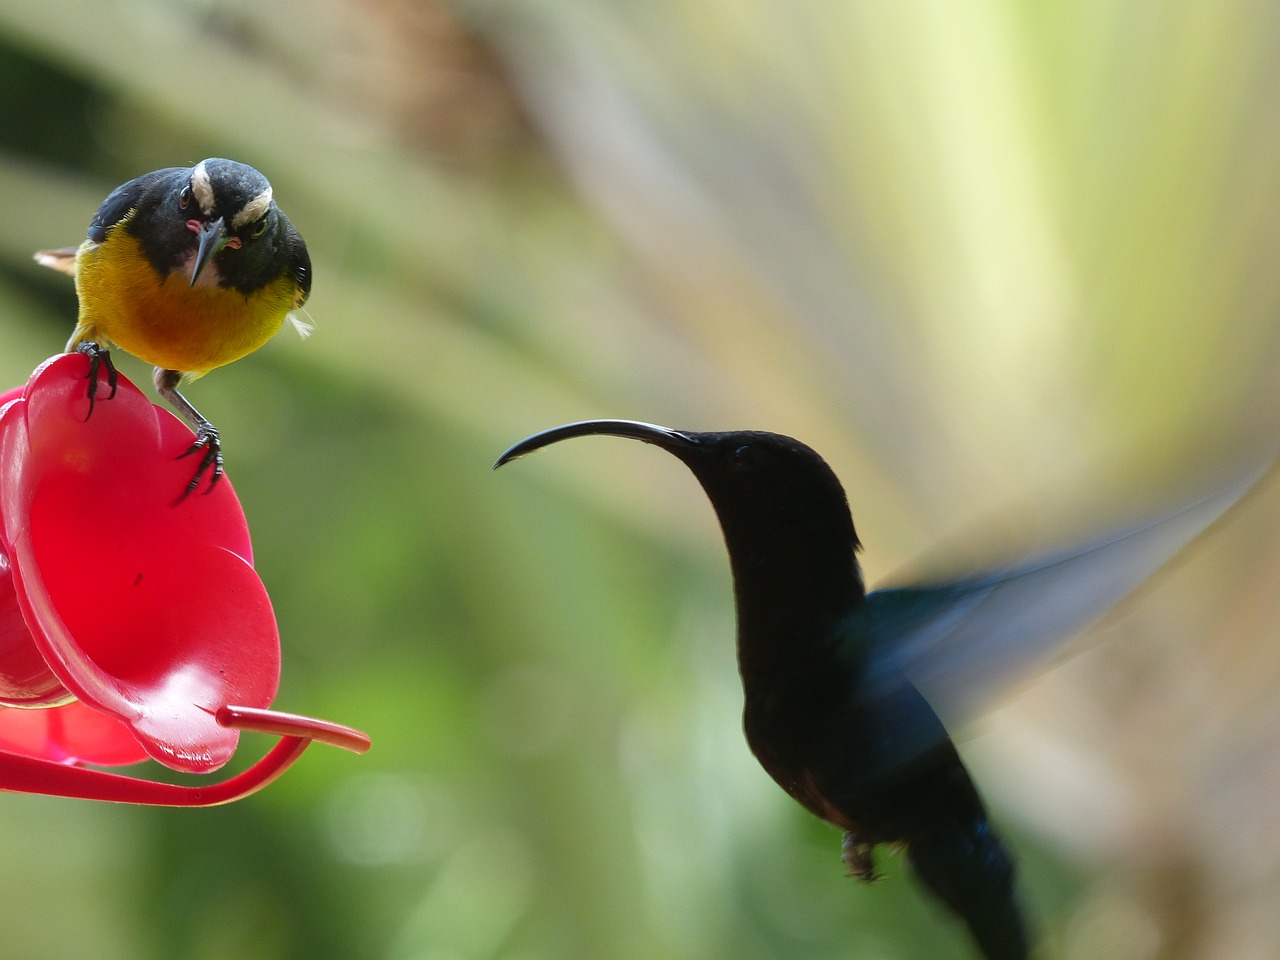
column 187, row 268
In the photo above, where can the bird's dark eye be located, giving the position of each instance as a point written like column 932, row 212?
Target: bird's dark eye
column 184, row 198
column 746, row 457
column 258, row 229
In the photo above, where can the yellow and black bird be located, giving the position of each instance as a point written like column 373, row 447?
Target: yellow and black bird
column 187, row 268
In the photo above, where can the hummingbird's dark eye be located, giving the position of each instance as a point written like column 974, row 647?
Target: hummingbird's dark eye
column 184, row 198
column 258, row 229
column 746, row 457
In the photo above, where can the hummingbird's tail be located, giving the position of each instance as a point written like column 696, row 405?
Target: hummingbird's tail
column 971, row 872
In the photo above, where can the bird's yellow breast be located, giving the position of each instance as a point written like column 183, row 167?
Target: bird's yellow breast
column 164, row 320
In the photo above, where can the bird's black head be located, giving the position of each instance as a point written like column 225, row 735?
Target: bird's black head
column 218, row 222
column 785, row 518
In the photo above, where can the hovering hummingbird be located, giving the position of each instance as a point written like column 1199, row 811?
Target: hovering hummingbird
column 838, row 682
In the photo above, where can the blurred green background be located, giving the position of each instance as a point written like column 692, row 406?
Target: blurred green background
column 1009, row 264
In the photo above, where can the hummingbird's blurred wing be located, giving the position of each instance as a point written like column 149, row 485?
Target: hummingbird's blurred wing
column 960, row 643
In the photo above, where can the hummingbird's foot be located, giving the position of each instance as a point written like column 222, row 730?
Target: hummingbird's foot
column 99, row 358
column 857, row 860
column 209, row 445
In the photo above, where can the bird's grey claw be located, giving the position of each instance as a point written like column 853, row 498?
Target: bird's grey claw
column 209, row 445
column 99, row 358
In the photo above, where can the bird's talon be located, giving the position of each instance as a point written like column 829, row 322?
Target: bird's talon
column 99, row 357
column 209, row 444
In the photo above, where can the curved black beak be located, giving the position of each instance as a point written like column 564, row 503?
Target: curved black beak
column 213, row 237
column 664, row 437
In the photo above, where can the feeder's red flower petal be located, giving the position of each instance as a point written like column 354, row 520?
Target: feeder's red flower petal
column 144, row 608
column 72, row 733
column 25, row 677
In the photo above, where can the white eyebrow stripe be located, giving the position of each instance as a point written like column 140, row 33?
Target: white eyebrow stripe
column 202, row 187
column 252, row 211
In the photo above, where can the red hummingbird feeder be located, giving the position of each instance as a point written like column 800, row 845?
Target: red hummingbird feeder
column 131, row 626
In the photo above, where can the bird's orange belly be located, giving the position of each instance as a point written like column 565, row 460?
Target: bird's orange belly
column 167, row 322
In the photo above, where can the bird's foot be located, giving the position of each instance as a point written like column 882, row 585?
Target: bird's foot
column 857, row 859
column 99, row 358
column 209, row 445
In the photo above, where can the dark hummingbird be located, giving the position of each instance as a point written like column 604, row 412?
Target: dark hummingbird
column 843, row 689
